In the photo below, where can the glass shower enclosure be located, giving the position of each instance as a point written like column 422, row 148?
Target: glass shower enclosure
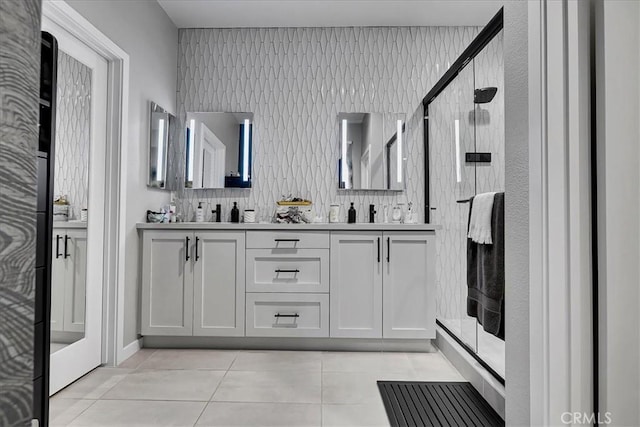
column 466, row 157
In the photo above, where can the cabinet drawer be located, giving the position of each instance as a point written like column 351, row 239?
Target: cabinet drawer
column 275, row 239
column 287, row 315
column 306, row 270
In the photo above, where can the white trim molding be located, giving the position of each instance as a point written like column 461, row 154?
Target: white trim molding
column 560, row 210
column 61, row 13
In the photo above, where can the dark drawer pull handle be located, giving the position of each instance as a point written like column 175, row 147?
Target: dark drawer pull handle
column 388, row 249
column 58, row 254
column 287, row 271
column 186, row 249
column 287, row 240
column 286, row 315
column 66, row 253
column 197, row 256
column 378, row 249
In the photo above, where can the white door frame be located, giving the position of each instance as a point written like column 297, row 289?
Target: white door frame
column 60, row 13
column 561, row 363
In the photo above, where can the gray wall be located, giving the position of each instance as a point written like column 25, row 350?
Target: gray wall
column 516, row 107
column 296, row 81
column 20, row 77
column 143, row 30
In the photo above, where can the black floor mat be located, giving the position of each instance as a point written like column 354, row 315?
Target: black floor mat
column 411, row 403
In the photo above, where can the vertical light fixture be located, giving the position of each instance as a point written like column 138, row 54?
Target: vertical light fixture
column 160, row 159
column 399, row 159
column 245, row 152
column 457, row 135
column 192, row 130
column 344, row 153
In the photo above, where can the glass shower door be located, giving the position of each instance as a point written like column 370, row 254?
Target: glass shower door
column 488, row 68
column 451, row 135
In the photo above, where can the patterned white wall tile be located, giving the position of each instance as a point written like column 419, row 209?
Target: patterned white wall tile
column 73, row 115
column 296, row 81
column 456, row 103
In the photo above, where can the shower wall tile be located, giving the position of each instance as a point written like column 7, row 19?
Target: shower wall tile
column 73, row 119
column 296, row 81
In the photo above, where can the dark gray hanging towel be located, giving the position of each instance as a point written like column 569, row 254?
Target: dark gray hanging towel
column 485, row 274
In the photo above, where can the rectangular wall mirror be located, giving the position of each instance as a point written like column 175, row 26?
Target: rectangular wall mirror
column 219, row 150
column 371, row 153
column 160, row 129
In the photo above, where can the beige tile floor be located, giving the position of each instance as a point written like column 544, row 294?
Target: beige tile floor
column 242, row 388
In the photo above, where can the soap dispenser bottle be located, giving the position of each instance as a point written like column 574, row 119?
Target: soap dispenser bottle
column 199, row 213
column 352, row 215
column 235, row 213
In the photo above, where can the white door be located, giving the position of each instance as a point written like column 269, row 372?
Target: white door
column 409, row 309
column 79, row 357
column 167, row 283
column 219, row 272
column 356, row 285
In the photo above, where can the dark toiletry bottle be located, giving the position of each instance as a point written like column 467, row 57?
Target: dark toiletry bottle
column 352, row 214
column 218, row 212
column 372, row 213
column 235, row 213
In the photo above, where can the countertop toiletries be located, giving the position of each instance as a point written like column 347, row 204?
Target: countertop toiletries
column 372, row 213
column 397, row 215
column 235, row 213
column 249, row 216
column 386, row 214
column 199, row 213
column 172, row 211
column 334, row 213
column 410, row 217
column 352, row 214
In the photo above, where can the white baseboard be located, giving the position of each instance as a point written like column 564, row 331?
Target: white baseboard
column 272, row 343
column 486, row 384
column 129, row 350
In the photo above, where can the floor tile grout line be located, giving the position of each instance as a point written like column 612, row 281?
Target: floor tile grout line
column 83, row 411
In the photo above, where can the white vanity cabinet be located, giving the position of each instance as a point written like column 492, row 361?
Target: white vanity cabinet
column 192, row 283
column 219, row 282
column 287, row 283
column 382, row 285
column 167, row 283
column 68, row 279
column 325, row 282
column 408, row 285
column 356, row 284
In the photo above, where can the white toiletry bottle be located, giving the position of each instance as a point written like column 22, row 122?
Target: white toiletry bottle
column 199, row 213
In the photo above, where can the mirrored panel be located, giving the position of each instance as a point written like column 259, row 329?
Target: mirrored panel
column 218, row 150
column 71, row 195
column 160, row 129
column 371, row 152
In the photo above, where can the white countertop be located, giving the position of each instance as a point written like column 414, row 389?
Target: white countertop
column 293, row 227
column 70, row 224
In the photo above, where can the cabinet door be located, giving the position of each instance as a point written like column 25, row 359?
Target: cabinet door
column 75, row 280
column 356, row 285
column 58, row 272
column 219, row 283
column 409, row 291
column 167, row 283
